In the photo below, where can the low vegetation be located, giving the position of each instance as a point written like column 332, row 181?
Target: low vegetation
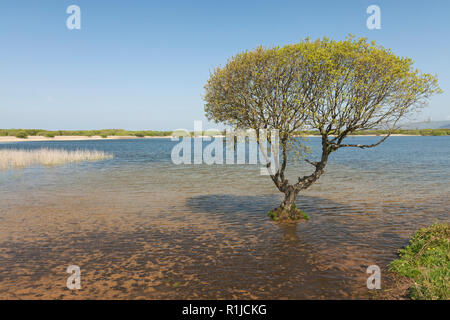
column 426, row 261
column 15, row 158
column 296, row 212
column 21, row 134
column 25, row 133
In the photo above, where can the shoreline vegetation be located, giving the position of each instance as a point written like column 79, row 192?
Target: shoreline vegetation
column 14, row 135
column 11, row 158
column 424, row 264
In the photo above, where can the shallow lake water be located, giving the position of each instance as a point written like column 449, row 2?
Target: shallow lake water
column 139, row 226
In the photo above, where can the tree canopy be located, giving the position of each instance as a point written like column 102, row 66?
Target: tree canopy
column 335, row 87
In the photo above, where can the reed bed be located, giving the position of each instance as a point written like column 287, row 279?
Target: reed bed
column 16, row 158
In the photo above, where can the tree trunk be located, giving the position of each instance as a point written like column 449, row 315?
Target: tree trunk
column 289, row 200
column 287, row 210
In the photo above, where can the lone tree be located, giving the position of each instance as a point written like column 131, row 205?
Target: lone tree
column 333, row 87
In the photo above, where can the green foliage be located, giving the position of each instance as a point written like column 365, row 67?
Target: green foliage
column 88, row 133
column 120, row 132
column 21, row 134
column 426, row 260
column 303, row 214
column 273, row 215
column 300, row 212
column 334, row 87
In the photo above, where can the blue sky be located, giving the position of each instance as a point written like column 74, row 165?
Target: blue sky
column 143, row 64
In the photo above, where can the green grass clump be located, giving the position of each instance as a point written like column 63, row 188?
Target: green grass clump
column 426, row 260
column 21, row 135
column 303, row 214
column 140, row 134
column 273, row 215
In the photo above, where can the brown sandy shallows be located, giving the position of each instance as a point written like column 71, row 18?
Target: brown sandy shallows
column 162, row 245
column 161, row 232
column 14, row 158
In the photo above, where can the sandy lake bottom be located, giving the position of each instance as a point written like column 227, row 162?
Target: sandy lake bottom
column 140, row 227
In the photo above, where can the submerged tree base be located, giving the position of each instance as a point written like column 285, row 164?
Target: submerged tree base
column 281, row 214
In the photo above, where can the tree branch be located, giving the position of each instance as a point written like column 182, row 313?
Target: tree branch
column 313, row 163
column 362, row 146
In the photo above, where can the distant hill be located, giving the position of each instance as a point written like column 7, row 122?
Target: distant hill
column 426, row 125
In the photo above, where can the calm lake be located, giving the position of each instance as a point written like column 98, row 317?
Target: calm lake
column 139, row 226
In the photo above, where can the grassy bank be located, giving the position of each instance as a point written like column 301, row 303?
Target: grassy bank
column 13, row 158
column 25, row 133
column 426, row 261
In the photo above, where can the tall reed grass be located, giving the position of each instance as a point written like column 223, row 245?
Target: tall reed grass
column 16, row 158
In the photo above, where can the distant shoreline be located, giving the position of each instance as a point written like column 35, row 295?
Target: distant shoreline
column 75, row 138
column 18, row 135
column 93, row 138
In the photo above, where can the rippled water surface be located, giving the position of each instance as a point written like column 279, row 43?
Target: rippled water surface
column 141, row 227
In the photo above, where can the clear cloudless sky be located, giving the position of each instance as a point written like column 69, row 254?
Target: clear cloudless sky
column 143, row 64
